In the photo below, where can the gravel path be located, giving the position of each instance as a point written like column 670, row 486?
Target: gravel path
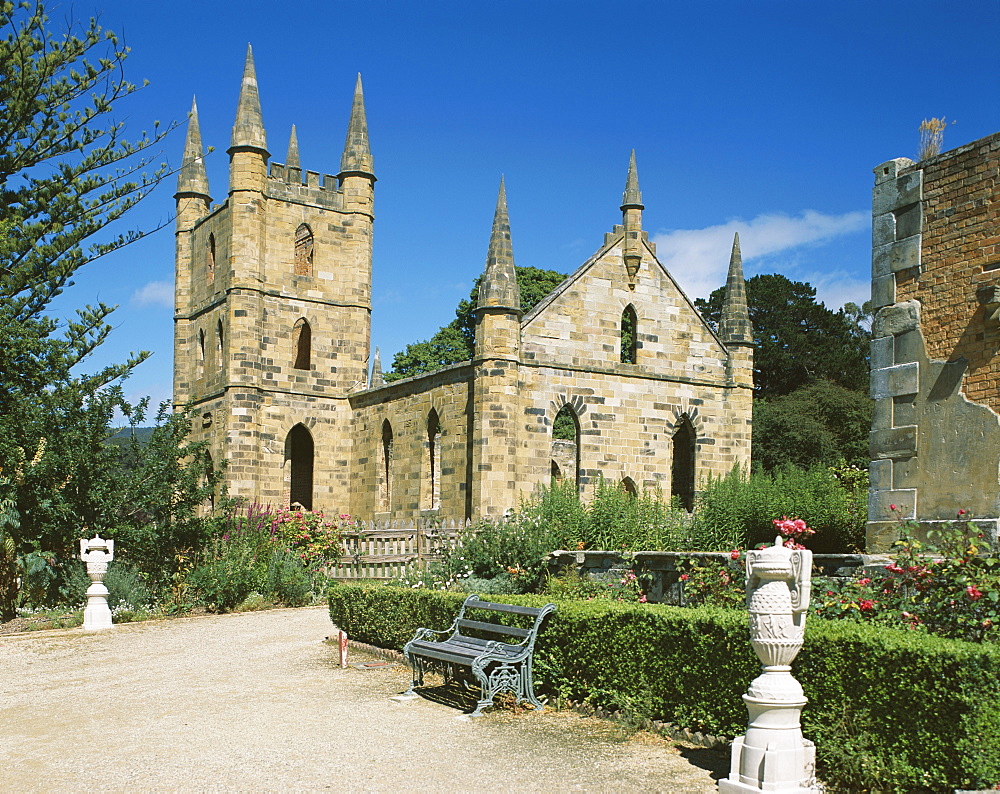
column 256, row 701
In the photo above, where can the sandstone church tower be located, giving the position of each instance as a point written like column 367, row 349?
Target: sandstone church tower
column 273, row 307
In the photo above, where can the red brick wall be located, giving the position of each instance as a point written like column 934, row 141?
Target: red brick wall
column 961, row 241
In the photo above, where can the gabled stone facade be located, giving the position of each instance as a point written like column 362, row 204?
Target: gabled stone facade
column 272, row 340
column 935, row 357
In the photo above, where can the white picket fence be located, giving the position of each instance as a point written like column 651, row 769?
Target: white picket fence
column 382, row 549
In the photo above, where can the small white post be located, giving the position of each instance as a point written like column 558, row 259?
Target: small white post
column 772, row 755
column 97, row 553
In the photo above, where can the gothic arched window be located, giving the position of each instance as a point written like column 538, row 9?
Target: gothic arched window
column 302, row 345
column 629, row 327
column 432, row 497
column 385, row 469
column 682, row 467
column 566, row 445
column 220, row 347
column 210, row 259
column 303, row 251
column 201, row 354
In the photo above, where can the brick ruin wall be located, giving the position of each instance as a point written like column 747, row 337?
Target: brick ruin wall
column 960, row 254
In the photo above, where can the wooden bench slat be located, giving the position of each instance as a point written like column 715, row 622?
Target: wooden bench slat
column 512, row 608
column 494, row 628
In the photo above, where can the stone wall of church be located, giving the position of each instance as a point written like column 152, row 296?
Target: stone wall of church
column 407, row 405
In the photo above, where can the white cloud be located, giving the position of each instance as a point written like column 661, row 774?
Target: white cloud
column 155, row 293
column 699, row 258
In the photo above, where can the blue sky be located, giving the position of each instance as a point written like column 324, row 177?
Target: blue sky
column 765, row 118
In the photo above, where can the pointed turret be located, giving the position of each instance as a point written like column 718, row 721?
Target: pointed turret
column 632, row 198
column 734, row 325
column 632, row 223
column 497, row 411
column 498, row 287
column 377, row 378
column 248, row 129
column 357, row 157
column 292, row 158
column 192, row 181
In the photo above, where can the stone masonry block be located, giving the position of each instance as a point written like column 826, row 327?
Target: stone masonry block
column 897, row 442
column 897, row 319
column 895, row 256
column 892, row 194
column 883, row 229
column 882, row 415
column 881, row 351
column 883, row 291
column 895, row 381
column 880, row 503
column 908, row 346
column 880, row 475
column 889, row 169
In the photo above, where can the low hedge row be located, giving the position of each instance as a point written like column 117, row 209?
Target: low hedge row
column 888, row 709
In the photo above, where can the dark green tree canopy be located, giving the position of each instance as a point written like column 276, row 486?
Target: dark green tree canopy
column 820, row 423
column 454, row 342
column 798, row 341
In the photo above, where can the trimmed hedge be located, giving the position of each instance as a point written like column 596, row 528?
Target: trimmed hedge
column 889, row 709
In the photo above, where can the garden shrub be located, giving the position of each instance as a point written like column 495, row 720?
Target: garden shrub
column 736, row 511
column 897, row 709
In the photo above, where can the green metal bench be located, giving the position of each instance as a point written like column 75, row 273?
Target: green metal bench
column 498, row 664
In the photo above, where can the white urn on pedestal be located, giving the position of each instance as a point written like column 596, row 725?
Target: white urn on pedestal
column 773, row 755
column 97, row 553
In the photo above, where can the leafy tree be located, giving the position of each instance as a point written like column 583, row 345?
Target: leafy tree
column 454, row 342
column 799, row 341
column 162, row 485
column 820, row 423
column 66, row 172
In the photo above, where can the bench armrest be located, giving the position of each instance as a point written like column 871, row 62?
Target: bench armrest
column 427, row 634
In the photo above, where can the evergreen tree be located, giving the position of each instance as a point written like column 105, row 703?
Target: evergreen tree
column 798, row 341
column 66, row 172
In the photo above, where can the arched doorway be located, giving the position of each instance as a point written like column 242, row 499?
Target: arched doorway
column 299, row 451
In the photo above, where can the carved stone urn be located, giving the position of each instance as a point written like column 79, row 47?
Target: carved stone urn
column 97, row 553
column 773, row 755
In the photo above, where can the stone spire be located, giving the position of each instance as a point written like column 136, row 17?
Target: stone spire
column 498, row 286
column 377, row 378
column 734, row 325
column 632, row 223
column 192, row 179
column 357, row 157
column 632, row 198
column 292, row 158
column 248, row 129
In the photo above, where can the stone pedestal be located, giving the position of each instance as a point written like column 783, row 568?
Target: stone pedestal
column 773, row 755
column 97, row 553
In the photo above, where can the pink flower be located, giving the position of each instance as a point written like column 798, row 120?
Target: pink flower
column 866, row 605
column 864, row 581
column 961, row 512
column 974, row 592
column 734, row 554
column 892, row 507
column 684, row 577
column 643, row 599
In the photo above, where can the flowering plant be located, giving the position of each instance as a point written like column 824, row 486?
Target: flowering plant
column 793, row 530
column 948, row 585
